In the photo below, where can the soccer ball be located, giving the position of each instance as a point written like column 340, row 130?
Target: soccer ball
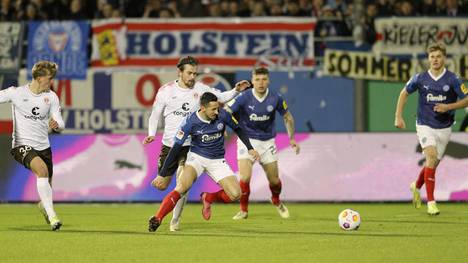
column 349, row 219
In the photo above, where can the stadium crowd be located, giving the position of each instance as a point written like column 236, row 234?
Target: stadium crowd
column 335, row 17
column 24, row 10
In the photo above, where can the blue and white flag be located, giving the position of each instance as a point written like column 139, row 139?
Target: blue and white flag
column 63, row 42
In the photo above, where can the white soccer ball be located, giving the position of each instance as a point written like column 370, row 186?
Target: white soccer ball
column 349, row 219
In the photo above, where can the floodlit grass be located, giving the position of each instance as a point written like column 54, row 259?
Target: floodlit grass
column 118, row 233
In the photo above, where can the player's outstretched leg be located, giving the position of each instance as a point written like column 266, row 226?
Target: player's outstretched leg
column 153, row 224
column 416, row 195
column 166, row 207
column 208, row 198
column 206, row 206
column 176, row 214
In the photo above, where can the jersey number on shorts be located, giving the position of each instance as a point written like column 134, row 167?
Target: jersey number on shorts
column 272, row 149
column 24, row 150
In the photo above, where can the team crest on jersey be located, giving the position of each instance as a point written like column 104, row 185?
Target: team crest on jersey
column 464, row 89
column 195, row 96
column 46, row 100
column 270, row 108
column 180, row 135
column 445, row 88
column 285, row 105
column 220, row 126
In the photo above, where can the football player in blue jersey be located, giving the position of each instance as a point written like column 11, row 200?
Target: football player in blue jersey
column 206, row 128
column 441, row 92
column 256, row 109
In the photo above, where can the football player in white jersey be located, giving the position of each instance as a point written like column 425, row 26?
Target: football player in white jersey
column 35, row 109
column 174, row 102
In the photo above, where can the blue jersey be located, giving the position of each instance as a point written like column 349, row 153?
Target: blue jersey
column 445, row 89
column 257, row 115
column 207, row 136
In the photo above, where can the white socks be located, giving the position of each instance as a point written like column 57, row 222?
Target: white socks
column 179, row 207
column 45, row 193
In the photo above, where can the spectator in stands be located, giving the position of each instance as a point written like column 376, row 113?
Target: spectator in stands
column 329, row 25
column 233, row 8
column 152, row 8
column 371, row 13
column 258, row 9
column 317, row 8
column 7, row 12
column 453, row 8
column 31, row 13
column 276, row 9
column 166, row 13
column 293, row 9
column 214, row 10
column 77, row 10
column 306, row 7
column 406, row 9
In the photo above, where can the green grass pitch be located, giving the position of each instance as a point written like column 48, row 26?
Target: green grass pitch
column 118, row 233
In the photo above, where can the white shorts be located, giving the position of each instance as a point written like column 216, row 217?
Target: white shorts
column 266, row 149
column 217, row 169
column 434, row 137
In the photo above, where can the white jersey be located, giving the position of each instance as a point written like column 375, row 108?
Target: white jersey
column 175, row 103
column 31, row 113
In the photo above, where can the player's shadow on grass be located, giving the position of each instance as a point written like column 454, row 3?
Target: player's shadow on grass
column 79, row 231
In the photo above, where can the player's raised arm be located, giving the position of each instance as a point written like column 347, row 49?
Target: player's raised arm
column 226, row 96
column 56, row 122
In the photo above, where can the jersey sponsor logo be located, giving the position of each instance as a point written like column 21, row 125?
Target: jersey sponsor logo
column 32, row 117
column 431, row 97
column 270, row 108
column 181, row 113
column 210, row 138
column 254, row 117
column 180, row 135
column 445, row 88
column 464, row 89
column 34, row 111
column 185, row 106
column 220, row 126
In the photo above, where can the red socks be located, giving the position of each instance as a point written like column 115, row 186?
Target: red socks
column 218, row 196
column 167, row 205
column 429, row 178
column 420, row 181
column 275, row 192
column 244, row 200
